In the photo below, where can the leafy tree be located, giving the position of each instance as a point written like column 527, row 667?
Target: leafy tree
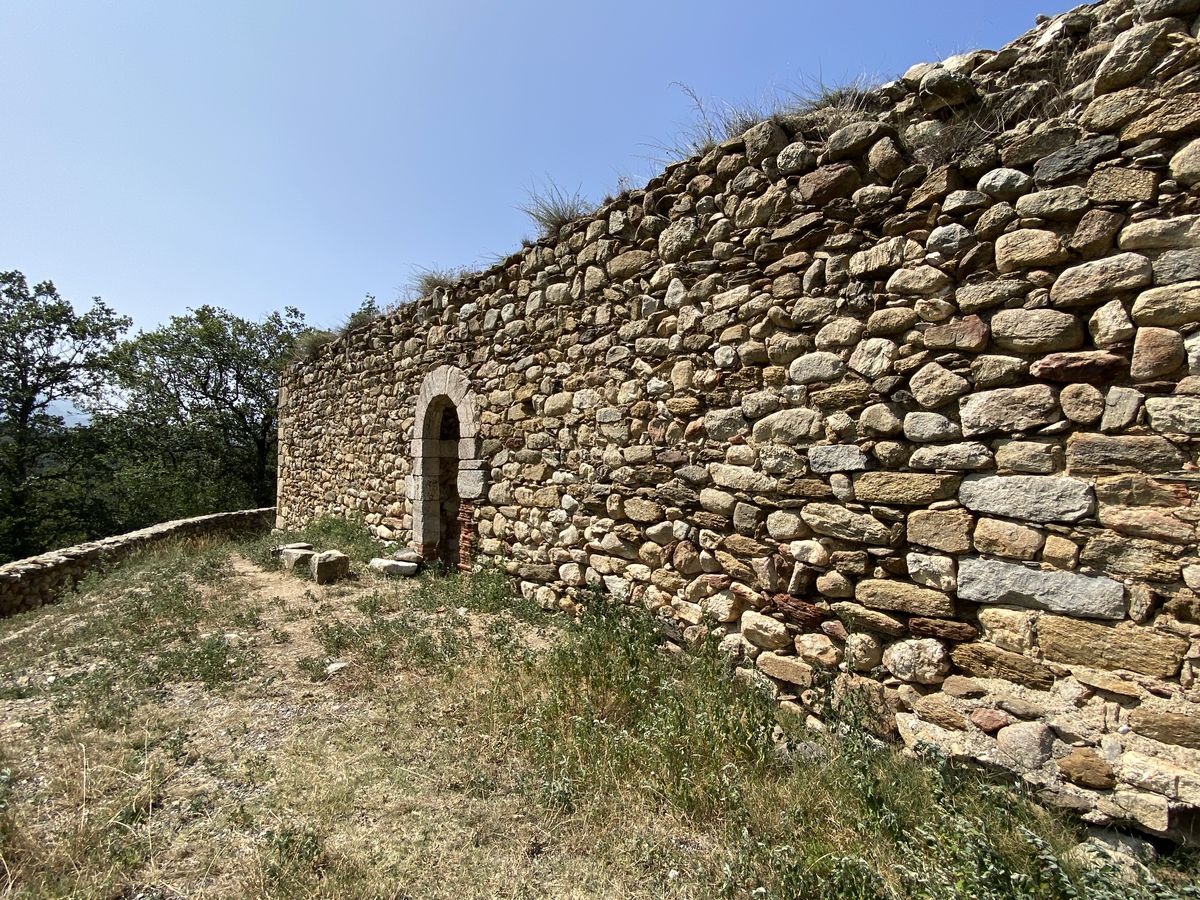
column 202, row 390
column 50, row 357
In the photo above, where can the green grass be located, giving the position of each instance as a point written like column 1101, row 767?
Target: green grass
column 620, row 732
column 347, row 534
column 160, row 609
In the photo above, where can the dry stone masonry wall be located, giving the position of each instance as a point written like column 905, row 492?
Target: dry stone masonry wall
column 907, row 392
column 29, row 583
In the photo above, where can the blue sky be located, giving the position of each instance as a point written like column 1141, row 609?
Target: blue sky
column 257, row 154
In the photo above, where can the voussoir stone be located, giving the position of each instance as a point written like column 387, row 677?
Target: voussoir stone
column 1013, row 584
column 1036, row 498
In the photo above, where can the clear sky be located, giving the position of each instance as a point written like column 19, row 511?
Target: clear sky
column 262, row 153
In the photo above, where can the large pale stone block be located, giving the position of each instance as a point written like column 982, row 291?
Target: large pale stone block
column 995, row 581
column 1036, row 498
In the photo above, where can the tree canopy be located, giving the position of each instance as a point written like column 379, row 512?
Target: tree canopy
column 175, row 421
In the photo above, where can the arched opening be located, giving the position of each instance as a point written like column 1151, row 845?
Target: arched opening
column 443, row 434
column 447, row 472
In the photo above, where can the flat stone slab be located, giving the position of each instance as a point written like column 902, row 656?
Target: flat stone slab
column 993, row 581
column 288, row 558
column 393, row 567
column 1034, row 498
column 299, row 545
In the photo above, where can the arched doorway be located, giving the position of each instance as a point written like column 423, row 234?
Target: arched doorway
column 447, row 474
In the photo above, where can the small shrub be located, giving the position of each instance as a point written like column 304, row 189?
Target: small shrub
column 552, row 207
column 368, row 311
column 310, row 342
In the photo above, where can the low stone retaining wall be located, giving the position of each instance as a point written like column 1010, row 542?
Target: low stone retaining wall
column 30, row 583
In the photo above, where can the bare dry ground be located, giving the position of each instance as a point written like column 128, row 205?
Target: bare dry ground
column 196, row 724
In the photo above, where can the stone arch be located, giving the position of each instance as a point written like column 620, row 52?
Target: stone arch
column 447, row 474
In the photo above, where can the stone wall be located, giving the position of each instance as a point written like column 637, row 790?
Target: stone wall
column 29, row 583
column 901, row 388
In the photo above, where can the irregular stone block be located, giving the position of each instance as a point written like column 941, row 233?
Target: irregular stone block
column 1091, row 281
column 1034, row 498
column 836, row 521
column 946, row 629
column 628, row 264
column 1003, row 538
column 1085, row 767
column 1101, row 454
column 946, row 530
column 1177, row 233
column 1171, row 305
column 1028, row 248
column 936, row 572
column 996, row 581
column 1181, row 728
column 1133, row 54
column 393, row 567
column 1157, row 353
column 857, row 617
column 763, row 631
column 919, row 660
column 785, row 668
column 969, row 456
column 289, row 558
column 329, row 566
column 1174, row 415
column 908, row 488
column 1086, row 366
column 1025, row 745
column 1124, row 646
column 937, row 710
column 1126, row 557
column 1036, row 330
column 1008, row 409
column 982, row 660
column 900, row 596
column 836, row 458
column 788, row 426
